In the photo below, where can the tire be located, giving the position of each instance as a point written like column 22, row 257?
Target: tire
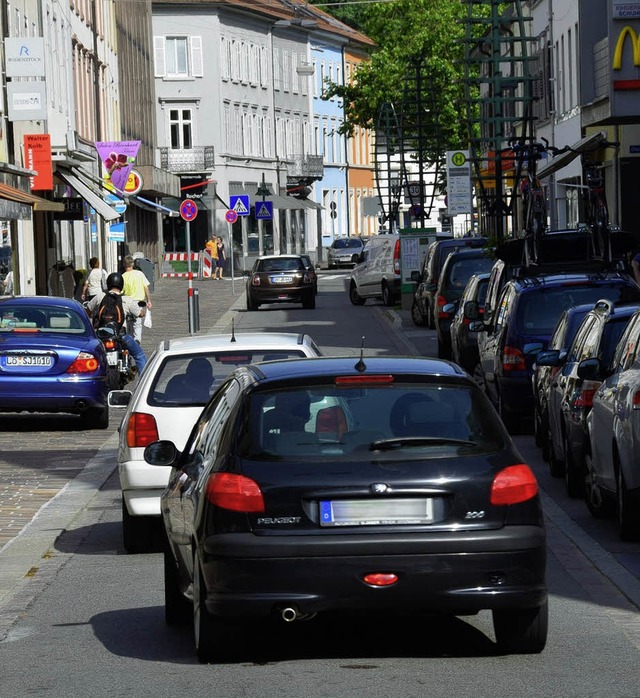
column 556, row 466
column 251, row 303
column 573, row 474
column 597, row 503
column 431, row 321
column 419, row 320
column 521, row 631
column 478, row 377
column 387, row 295
column 309, row 302
column 509, row 422
column 354, row 297
column 135, row 532
column 444, row 351
column 177, row 609
column 95, row 418
column 628, row 519
column 114, row 379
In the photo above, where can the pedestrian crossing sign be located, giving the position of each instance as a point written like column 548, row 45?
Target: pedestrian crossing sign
column 264, row 210
column 239, row 203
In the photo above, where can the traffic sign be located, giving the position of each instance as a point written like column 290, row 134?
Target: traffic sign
column 188, row 209
column 240, row 204
column 231, row 216
column 264, row 210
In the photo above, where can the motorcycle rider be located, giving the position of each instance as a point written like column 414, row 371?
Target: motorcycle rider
column 115, row 284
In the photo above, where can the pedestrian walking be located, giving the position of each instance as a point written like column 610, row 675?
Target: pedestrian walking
column 212, row 247
column 222, row 258
column 7, row 283
column 136, row 287
column 96, row 281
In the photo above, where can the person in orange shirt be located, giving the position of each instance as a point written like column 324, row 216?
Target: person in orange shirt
column 212, row 247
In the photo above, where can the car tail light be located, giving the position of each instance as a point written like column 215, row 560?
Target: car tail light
column 234, row 492
column 307, row 279
column 585, row 397
column 513, row 485
column 84, row 363
column 396, row 258
column 441, row 301
column 380, row 579
column 142, row 430
column 255, row 280
column 513, row 360
column 635, row 400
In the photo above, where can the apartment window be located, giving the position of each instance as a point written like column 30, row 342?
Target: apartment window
column 286, row 71
column 178, row 56
column 277, row 69
column 181, row 128
column 225, row 59
column 264, row 67
column 294, row 73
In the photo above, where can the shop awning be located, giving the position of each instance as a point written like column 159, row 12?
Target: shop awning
column 22, row 197
column 149, row 205
column 559, row 161
column 88, row 194
column 311, row 204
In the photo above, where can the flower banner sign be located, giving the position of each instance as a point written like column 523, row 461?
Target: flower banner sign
column 117, row 159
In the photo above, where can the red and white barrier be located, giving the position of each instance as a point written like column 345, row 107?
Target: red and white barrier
column 169, row 257
column 207, row 265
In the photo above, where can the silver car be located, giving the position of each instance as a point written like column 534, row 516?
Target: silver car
column 344, row 252
column 176, row 384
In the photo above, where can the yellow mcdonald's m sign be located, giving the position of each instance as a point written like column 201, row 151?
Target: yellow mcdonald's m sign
column 635, row 42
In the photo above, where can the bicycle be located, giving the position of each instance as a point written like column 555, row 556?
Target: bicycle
column 597, row 212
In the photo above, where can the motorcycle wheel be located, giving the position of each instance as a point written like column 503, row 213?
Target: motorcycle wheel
column 114, row 378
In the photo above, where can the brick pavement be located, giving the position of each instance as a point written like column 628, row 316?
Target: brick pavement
column 39, row 456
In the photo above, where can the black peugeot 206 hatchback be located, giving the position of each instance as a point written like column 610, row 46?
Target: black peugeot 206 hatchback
column 371, row 485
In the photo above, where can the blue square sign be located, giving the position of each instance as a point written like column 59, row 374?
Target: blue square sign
column 240, row 204
column 264, row 210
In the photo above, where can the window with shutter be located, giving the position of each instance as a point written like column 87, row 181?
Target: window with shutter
column 158, row 56
column 197, row 70
column 224, row 58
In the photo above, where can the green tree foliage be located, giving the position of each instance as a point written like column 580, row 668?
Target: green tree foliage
column 405, row 32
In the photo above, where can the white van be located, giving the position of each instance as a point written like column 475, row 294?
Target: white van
column 378, row 273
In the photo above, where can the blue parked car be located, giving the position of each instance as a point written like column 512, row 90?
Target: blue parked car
column 51, row 360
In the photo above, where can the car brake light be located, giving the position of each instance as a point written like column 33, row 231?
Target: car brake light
column 396, row 258
column 142, row 430
column 307, row 278
column 441, row 301
column 84, row 363
column 363, row 380
column 255, row 280
column 513, row 485
column 234, row 492
column 585, row 397
column 635, row 401
column 380, row 579
column 513, row 360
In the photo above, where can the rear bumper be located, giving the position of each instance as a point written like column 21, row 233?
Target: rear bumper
column 516, row 394
column 142, row 484
column 54, row 395
column 495, row 570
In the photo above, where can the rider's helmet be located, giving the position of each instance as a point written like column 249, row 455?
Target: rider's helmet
column 115, row 280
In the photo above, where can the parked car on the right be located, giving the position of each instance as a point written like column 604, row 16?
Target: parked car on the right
column 571, row 396
column 464, row 344
column 612, row 472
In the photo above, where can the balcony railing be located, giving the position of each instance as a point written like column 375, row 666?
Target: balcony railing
column 187, row 159
column 306, row 167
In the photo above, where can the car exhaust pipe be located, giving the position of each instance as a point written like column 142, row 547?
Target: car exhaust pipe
column 289, row 614
column 82, row 405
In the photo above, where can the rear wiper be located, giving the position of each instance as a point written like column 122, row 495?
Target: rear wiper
column 407, row 441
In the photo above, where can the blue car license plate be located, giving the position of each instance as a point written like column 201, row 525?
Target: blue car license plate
column 376, row 512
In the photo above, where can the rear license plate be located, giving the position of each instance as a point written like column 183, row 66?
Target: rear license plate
column 112, row 358
column 375, row 512
column 281, row 279
column 28, row 360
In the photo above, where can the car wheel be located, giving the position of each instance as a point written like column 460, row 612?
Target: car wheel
column 95, row 418
column 177, row 609
column 387, row 295
column 509, row 422
column 416, row 315
column 431, row 321
column 478, row 377
column 354, row 297
column 252, row 304
column 135, row 531
column 556, row 466
column 444, row 352
column 573, row 474
column 309, row 301
column 521, row 631
column 597, row 503
column 628, row 520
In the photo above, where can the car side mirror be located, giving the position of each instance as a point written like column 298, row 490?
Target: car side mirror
column 471, row 310
column 449, row 308
column 119, row 398
column 161, row 453
column 590, row 369
column 549, row 357
column 415, row 276
column 533, row 348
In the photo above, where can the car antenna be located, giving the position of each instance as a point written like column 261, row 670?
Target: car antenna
column 361, row 366
column 233, row 330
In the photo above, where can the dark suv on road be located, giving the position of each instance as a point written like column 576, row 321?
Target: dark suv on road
column 523, row 321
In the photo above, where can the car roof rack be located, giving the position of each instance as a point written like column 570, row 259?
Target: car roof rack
column 567, row 251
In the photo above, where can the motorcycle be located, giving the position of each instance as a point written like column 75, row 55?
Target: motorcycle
column 121, row 367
